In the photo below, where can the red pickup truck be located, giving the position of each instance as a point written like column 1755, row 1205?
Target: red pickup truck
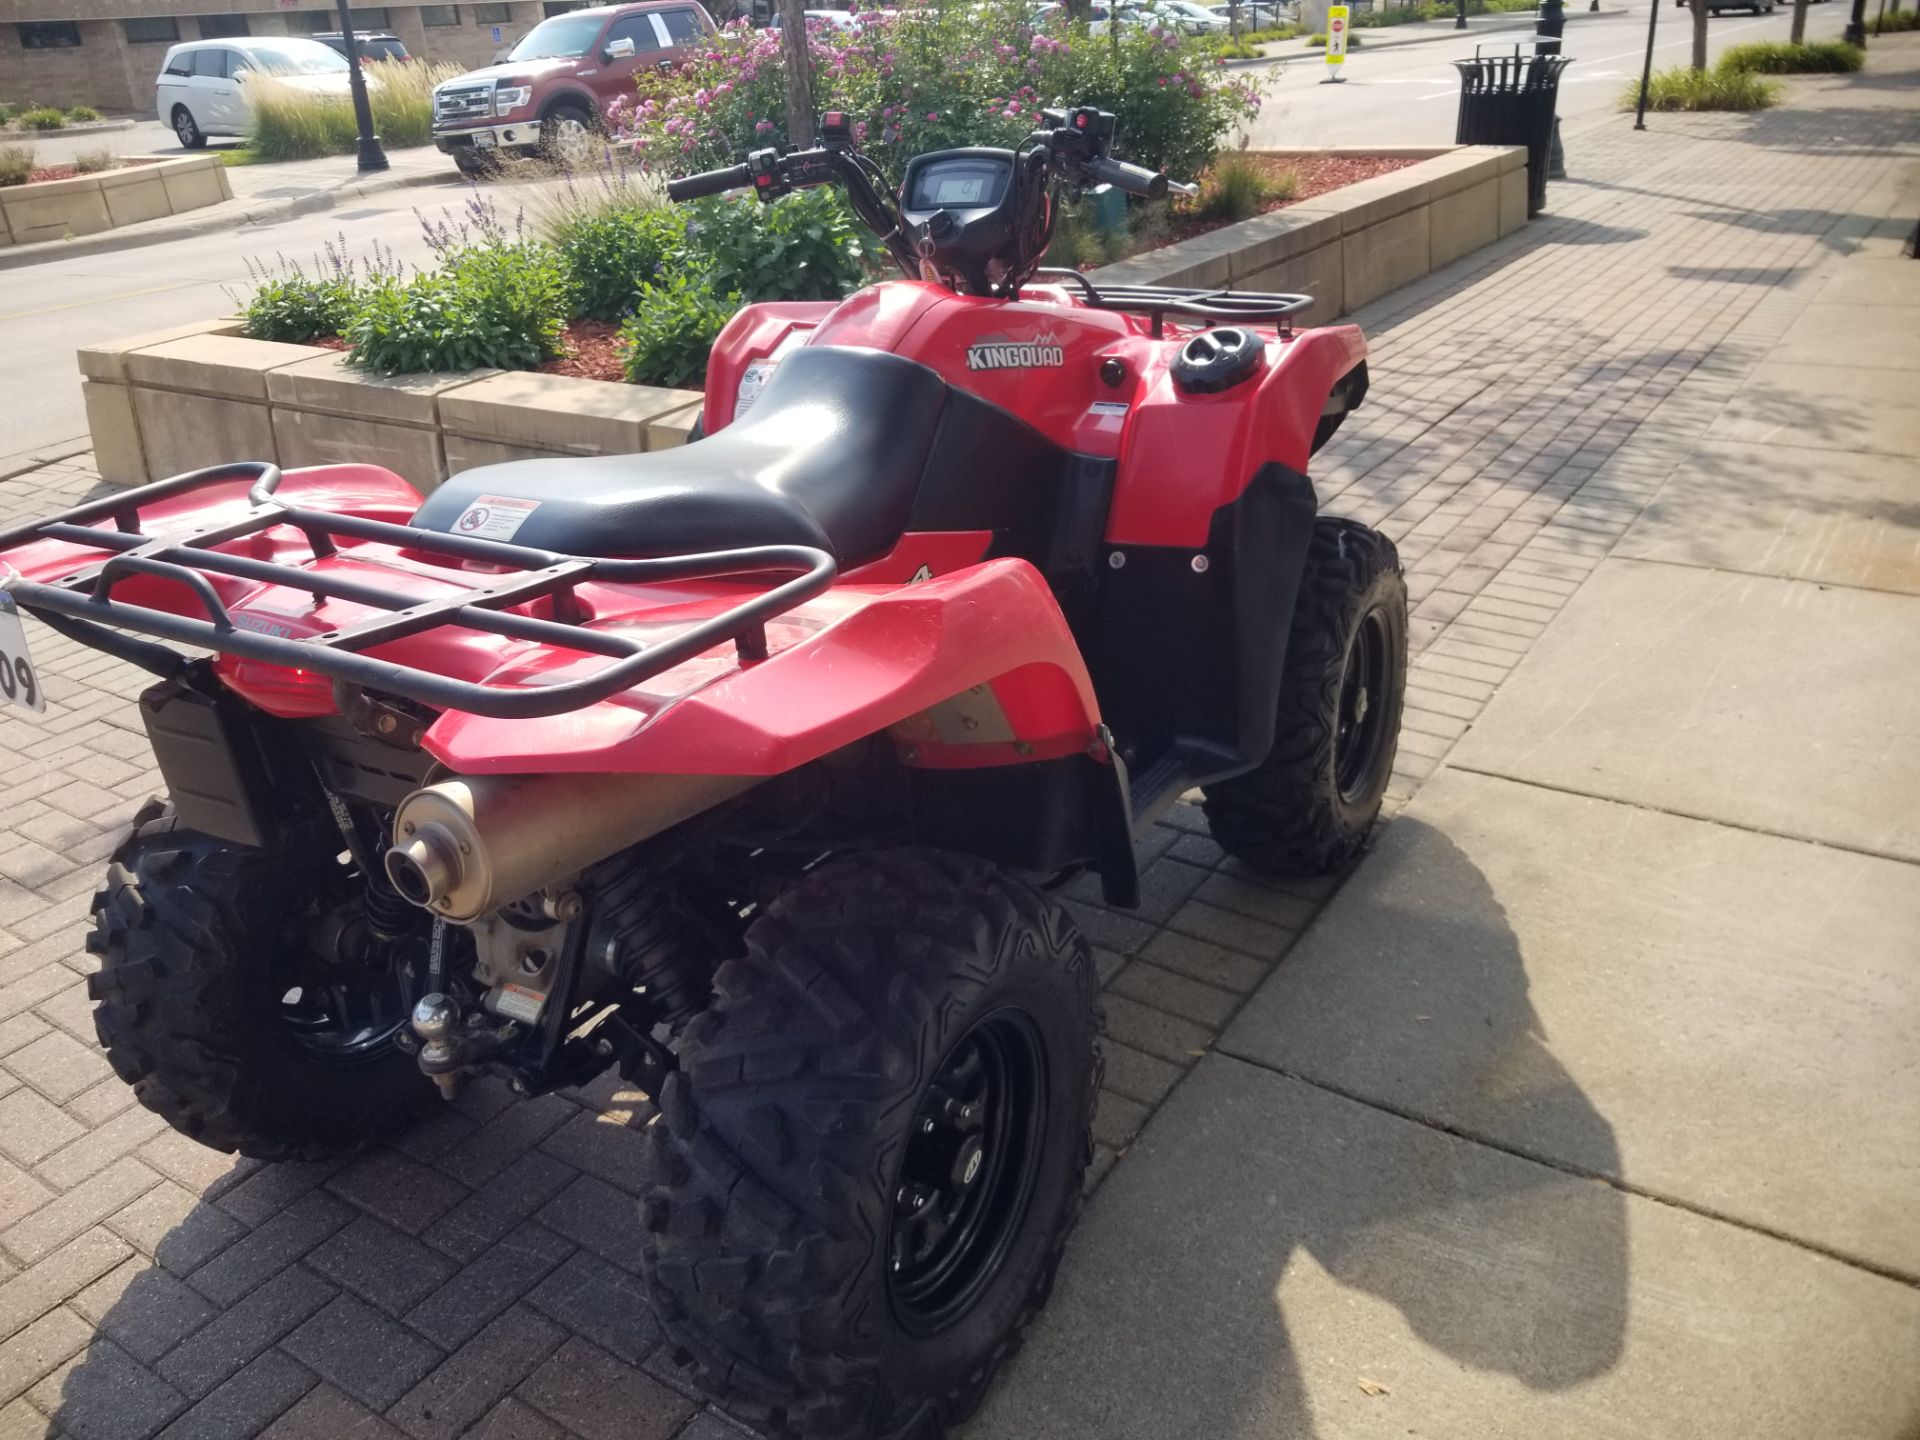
column 553, row 89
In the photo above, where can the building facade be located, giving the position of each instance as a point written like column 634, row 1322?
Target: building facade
column 106, row 53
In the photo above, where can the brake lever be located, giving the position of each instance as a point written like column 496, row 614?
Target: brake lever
column 1182, row 188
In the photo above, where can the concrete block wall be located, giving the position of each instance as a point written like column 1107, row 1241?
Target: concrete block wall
column 1354, row 244
column 161, row 404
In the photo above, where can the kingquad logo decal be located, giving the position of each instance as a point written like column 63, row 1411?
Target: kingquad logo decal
column 999, row 352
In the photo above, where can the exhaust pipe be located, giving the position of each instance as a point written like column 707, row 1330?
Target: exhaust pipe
column 463, row 847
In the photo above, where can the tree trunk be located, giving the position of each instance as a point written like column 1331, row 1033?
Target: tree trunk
column 1799, row 21
column 1700, row 13
column 793, row 39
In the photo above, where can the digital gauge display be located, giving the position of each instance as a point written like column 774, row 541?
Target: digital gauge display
column 959, row 184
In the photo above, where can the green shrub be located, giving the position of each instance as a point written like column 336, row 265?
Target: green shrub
column 16, row 164
column 82, row 115
column 613, row 231
column 1318, row 40
column 499, row 305
column 667, row 338
column 6, row 114
column 610, row 258
column 807, row 246
column 1076, row 243
column 1238, row 187
column 44, row 117
column 1236, row 50
column 1682, row 88
column 1278, row 32
column 296, row 308
column 92, row 162
column 1896, row 21
column 1782, row 57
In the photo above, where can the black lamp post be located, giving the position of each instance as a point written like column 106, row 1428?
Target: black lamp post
column 1460, row 14
column 1856, row 32
column 1553, row 24
column 372, row 157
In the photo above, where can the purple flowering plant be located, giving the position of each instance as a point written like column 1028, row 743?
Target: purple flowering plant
column 928, row 77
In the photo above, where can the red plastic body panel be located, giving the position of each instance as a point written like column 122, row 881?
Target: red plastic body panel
column 852, row 662
column 1182, row 456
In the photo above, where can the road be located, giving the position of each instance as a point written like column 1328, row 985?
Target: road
column 1397, row 95
column 1407, row 94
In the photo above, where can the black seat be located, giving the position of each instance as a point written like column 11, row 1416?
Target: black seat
column 831, row 455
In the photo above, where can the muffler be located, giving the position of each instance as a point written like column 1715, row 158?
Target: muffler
column 465, row 846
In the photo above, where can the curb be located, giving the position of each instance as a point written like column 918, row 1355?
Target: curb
column 25, row 462
column 1525, row 22
column 83, row 129
column 214, row 218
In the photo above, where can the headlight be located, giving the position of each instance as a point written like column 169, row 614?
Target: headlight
column 507, row 99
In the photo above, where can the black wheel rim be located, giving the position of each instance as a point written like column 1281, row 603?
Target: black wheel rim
column 966, row 1180
column 342, row 991
column 1360, row 735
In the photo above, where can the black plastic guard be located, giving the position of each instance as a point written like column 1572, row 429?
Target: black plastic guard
column 1188, row 644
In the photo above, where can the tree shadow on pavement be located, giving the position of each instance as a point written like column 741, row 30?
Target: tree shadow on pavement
column 1315, row 1192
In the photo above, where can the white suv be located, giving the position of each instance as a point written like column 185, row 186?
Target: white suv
column 202, row 86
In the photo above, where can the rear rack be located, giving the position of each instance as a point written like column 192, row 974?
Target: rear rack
column 1159, row 301
column 82, row 603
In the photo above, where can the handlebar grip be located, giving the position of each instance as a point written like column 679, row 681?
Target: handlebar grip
column 708, row 182
column 1134, row 179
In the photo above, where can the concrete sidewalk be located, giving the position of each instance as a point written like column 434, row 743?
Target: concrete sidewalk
column 1586, row 1108
column 1591, row 1104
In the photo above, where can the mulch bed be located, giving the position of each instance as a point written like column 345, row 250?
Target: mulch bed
column 67, row 172
column 1316, row 175
column 594, row 355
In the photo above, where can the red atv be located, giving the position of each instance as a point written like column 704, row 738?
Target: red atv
column 749, row 767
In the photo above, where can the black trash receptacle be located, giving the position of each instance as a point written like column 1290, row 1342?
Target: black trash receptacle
column 1509, row 99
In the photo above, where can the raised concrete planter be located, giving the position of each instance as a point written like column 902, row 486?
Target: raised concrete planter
column 86, row 204
column 179, row 399
column 192, row 396
column 1353, row 245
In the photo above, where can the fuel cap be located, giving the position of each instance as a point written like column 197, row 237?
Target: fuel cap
column 1215, row 359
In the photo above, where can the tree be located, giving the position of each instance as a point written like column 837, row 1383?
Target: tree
column 793, row 39
column 1799, row 21
column 1700, row 13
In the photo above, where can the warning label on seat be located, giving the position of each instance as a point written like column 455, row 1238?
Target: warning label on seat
column 495, row 517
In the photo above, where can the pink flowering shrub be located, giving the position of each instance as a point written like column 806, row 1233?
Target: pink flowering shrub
column 928, row 78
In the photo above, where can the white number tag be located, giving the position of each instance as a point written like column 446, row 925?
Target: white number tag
column 19, row 684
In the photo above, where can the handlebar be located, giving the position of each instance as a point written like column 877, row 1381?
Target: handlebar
column 709, row 182
column 1134, row 179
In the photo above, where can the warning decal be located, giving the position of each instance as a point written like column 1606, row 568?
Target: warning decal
column 495, row 517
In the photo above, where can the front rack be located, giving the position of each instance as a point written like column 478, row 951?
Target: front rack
column 82, row 603
column 1159, row 301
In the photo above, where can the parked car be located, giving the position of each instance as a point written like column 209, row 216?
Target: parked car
column 839, row 19
column 552, row 90
column 202, row 86
column 372, row 44
column 1258, row 14
column 1187, row 16
column 1714, row 7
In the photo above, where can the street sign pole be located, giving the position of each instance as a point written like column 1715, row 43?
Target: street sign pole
column 1646, row 66
column 1336, row 43
column 372, row 157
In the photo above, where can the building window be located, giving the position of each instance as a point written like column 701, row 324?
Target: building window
column 49, row 35
column 562, row 7
column 151, row 30
column 375, row 19
column 435, row 15
column 223, row 27
column 311, row 22
column 491, row 14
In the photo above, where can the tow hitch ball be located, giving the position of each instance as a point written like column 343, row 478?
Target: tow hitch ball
column 449, row 1046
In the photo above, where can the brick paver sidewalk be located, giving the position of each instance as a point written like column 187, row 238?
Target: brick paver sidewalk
column 478, row 1278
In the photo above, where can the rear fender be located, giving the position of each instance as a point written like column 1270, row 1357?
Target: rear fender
column 985, row 644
